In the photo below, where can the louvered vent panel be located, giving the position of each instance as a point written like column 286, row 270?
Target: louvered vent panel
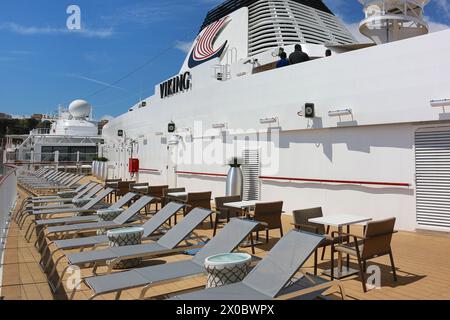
column 433, row 177
column 252, row 172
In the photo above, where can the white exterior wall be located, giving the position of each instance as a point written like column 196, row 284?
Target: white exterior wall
column 388, row 87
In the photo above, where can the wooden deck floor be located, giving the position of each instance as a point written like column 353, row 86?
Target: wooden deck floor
column 423, row 263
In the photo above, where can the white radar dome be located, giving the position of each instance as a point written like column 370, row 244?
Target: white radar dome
column 80, row 109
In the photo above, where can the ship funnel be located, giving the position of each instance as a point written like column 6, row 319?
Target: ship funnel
column 393, row 20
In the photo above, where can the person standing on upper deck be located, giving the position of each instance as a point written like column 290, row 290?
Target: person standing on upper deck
column 298, row 56
column 283, row 62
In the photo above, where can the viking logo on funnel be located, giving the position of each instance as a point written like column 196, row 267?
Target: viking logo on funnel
column 204, row 47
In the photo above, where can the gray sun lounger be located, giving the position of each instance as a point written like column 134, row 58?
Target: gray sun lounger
column 64, row 186
column 273, row 277
column 63, row 202
column 167, row 244
column 51, row 177
column 24, row 212
column 121, row 220
column 89, row 207
column 84, row 218
column 65, row 182
column 151, row 227
column 55, row 196
column 82, row 191
column 78, row 190
column 227, row 240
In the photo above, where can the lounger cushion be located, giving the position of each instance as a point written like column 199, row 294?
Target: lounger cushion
column 143, row 276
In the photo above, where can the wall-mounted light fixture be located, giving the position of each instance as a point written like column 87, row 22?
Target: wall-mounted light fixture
column 340, row 113
column 219, row 125
column 268, row 120
column 174, row 140
column 159, row 133
column 442, row 103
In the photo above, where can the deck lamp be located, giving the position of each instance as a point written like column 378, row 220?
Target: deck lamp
column 340, row 113
column 219, row 125
column 442, row 103
column 268, row 120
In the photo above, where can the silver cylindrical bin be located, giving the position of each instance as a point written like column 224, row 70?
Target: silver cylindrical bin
column 235, row 180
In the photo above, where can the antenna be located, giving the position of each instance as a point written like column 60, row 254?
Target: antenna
column 393, row 20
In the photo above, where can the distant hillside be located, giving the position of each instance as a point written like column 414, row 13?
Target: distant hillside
column 20, row 126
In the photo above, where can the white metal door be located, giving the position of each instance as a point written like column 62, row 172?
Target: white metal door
column 172, row 157
column 251, row 171
column 432, row 148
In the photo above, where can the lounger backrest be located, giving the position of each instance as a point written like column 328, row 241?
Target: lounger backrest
column 133, row 210
column 275, row 271
column 74, row 181
column 41, row 172
column 184, row 228
column 67, row 179
column 84, row 186
column 93, row 191
column 63, row 176
column 54, row 175
column 123, row 201
column 161, row 217
column 85, row 192
column 227, row 240
column 100, row 196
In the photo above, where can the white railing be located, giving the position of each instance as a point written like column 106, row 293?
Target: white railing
column 8, row 197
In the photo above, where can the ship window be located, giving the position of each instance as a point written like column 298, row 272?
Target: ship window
column 69, row 154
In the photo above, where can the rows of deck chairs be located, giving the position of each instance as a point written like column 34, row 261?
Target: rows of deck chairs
column 64, row 231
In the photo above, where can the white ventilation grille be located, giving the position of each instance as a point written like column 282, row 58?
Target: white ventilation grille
column 277, row 23
column 252, row 171
column 433, row 177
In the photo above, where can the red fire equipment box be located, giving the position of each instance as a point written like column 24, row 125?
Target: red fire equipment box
column 133, row 166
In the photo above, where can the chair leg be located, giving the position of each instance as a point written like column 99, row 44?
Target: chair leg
column 211, row 221
column 323, row 252
column 215, row 227
column 362, row 274
column 391, row 256
column 315, row 262
column 267, row 236
column 252, row 243
column 332, row 262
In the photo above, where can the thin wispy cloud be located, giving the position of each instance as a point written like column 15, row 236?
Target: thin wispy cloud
column 184, row 46
column 105, row 84
column 156, row 11
column 33, row 30
column 444, row 5
column 13, row 55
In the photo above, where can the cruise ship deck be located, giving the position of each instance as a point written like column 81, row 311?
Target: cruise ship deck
column 422, row 261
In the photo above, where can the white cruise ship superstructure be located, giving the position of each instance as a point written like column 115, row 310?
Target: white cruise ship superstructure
column 364, row 131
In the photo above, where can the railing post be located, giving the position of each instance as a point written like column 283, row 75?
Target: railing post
column 32, row 160
column 56, row 160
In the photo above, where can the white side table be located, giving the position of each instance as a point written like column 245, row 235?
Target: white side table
column 340, row 221
column 227, row 268
column 126, row 237
column 107, row 215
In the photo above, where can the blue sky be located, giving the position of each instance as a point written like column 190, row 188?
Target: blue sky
column 42, row 64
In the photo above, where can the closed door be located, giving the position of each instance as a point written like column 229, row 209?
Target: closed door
column 433, row 177
column 172, row 157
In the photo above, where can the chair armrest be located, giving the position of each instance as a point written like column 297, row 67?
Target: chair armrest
column 336, row 234
column 305, row 226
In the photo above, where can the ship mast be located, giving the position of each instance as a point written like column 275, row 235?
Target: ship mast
column 393, row 20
